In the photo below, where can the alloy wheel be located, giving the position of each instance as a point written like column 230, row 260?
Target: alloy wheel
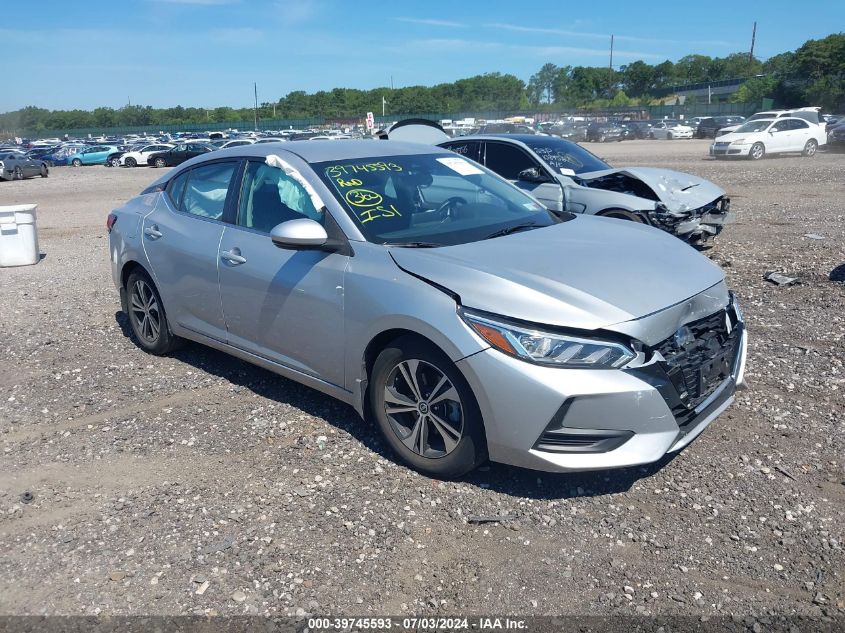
column 424, row 408
column 144, row 308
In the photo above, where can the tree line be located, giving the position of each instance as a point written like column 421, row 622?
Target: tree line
column 813, row 74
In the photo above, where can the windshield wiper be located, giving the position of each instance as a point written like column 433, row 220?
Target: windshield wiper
column 513, row 229
column 414, row 244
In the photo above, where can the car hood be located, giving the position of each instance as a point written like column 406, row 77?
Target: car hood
column 733, row 136
column 587, row 273
column 728, row 129
column 678, row 191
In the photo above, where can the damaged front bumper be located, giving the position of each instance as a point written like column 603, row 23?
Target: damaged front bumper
column 696, row 226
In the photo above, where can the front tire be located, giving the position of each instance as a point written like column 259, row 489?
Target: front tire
column 131, row 162
column 147, row 317
column 758, row 151
column 810, row 148
column 669, row 136
column 17, row 174
column 622, row 214
column 45, row 171
column 115, row 162
column 76, row 162
column 426, row 410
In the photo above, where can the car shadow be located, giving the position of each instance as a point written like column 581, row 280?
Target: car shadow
column 509, row 480
column 838, row 273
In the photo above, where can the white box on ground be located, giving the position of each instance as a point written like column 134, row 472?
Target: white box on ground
column 18, row 235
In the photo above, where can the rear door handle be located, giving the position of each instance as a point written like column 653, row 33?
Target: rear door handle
column 153, row 232
column 233, row 256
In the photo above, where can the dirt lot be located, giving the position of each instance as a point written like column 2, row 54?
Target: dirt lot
column 197, row 483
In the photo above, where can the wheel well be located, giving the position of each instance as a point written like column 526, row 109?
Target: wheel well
column 620, row 211
column 375, row 347
column 128, row 269
column 382, row 340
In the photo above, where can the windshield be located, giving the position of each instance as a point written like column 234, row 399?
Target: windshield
column 754, row 126
column 562, row 154
column 428, row 199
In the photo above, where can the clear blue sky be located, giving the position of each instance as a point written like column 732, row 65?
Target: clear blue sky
column 63, row 55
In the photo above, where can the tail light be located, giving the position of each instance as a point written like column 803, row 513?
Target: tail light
column 110, row 221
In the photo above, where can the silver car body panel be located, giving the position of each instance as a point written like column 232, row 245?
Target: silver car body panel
column 311, row 316
column 545, row 276
column 677, row 190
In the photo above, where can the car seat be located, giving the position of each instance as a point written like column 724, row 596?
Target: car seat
column 268, row 210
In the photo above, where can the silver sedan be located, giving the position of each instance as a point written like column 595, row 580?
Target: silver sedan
column 440, row 301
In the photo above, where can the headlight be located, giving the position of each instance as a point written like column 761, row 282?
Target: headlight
column 548, row 348
column 738, row 141
column 737, row 309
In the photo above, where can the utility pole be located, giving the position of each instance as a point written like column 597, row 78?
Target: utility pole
column 611, row 52
column 753, row 37
column 255, row 89
column 383, row 103
column 391, row 82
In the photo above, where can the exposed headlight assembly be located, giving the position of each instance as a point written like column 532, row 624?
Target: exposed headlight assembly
column 548, row 348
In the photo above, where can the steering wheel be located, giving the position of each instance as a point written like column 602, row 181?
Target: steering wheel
column 445, row 209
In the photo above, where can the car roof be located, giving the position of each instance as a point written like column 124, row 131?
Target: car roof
column 520, row 138
column 320, row 152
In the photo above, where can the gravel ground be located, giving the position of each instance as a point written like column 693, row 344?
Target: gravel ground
column 200, row 484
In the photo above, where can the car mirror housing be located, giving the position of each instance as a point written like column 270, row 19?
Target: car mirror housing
column 532, row 174
column 302, row 233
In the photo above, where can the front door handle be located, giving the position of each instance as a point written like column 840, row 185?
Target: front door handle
column 153, row 232
column 233, row 256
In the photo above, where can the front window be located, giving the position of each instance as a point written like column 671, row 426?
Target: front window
column 759, row 125
column 428, row 199
column 269, row 197
column 561, row 154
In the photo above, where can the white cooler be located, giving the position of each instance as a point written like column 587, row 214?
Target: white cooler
column 18, row 235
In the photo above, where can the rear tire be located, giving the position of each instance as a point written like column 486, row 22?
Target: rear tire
column 810, row 148
column 45, row 171
column 758, row 151
column 160, row 162
column 17, row 174
column 669, row 136
column 147, row 317
column 434, row 424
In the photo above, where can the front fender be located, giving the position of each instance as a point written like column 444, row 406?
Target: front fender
column 379, row 296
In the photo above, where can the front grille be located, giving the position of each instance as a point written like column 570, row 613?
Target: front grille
column 698, row 358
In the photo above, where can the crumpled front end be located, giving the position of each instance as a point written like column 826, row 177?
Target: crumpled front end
column 696, row 226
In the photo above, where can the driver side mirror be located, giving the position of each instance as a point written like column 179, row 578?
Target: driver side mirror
column 302, row 233
column 532, row 174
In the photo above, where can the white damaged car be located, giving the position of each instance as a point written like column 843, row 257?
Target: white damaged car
column 563, row 176
column 139, row 157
